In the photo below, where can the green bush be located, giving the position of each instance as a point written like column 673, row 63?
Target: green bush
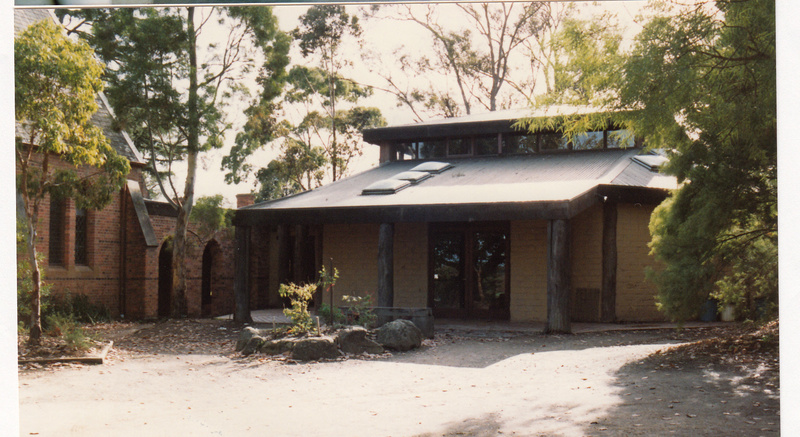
column 359, row 310
column 299, row 296
column 325, row 313
column 81, row 309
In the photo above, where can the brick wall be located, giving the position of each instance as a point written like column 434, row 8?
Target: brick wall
column 102, row 279
column 635, row 295
column 410, row 265
column 354, row 249
column 528, row 271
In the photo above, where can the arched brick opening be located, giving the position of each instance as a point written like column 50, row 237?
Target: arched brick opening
column 211, row 293
column 165, row 278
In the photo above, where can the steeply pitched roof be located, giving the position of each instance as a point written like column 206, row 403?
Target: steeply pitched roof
column 104, row 117
column 555, row 185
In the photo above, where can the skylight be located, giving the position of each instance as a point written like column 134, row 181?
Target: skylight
column 414, row 177
column 385, row 186
column 433, row 167
column 650, row 162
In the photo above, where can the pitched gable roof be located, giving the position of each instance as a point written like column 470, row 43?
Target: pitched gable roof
column 104, row 117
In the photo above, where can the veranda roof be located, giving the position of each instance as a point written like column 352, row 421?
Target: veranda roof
column 506, row 187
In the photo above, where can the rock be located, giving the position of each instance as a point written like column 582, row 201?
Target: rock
column 400, row 334
column 245, row 336
column 252, row 345
column 276, row 347
column 315, row 348
column 353, row 340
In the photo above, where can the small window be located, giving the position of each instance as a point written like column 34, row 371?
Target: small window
column 58, row 209
column 519, row 143
column 552, row 141
column 432, row 149
column 406, row 151
column 81, row 231
column 620, row 139
column 459, row 146
column 486, row 145
column 588, row 141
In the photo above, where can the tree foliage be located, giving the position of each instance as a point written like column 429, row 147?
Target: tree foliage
column 56, row 84
column 480, row 61
column 170, row 89
column 320, row 143
column 700, row 84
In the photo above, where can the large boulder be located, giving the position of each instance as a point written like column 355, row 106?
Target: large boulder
column 253, row 345
column 400, row 334
column 315, row 348
column 276, row 347
column 246, row 335
column 353, row 340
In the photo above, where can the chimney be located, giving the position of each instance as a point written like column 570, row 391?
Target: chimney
column 245, row 199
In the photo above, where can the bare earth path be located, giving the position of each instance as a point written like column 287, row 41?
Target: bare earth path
column 461, row 383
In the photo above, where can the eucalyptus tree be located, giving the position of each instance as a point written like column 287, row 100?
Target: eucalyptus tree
column 491, row 60
column 699, row 83
column 169, row 87
column 56, row 81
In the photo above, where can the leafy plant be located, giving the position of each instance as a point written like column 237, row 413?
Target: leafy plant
column 299, row 295
column 325, row 312
column 64, row 325
column 360, row 310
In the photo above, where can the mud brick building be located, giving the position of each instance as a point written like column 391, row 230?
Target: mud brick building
column 120, row 256
column 474, row 219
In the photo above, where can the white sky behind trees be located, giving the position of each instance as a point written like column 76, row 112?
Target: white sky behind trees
column 381, row 36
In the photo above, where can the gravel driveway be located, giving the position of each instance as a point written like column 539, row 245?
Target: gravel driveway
column 460, row 383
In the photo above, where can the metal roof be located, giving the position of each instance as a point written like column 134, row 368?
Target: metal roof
column 104, row 117
column 556, row 185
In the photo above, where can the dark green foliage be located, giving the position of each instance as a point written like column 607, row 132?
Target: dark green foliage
column 209, row 213
column 700, row 84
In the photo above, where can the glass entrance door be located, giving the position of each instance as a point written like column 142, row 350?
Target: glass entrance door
column 469, row 271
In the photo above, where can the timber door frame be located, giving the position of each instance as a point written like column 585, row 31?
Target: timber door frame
column 468, row 230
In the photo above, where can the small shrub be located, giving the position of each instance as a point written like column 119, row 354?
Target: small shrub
column 325, row 312
column 360, row 310
column 299, row 296
column 81, row 309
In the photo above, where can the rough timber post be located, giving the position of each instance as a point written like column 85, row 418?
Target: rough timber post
column 558, row 277
column 284, row 250
column 608, row 300
column 241, row 283
column 386, row 265
column 300, row 236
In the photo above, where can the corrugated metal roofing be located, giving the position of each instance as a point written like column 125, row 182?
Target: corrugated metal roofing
column 480, row 180
column 104, row 117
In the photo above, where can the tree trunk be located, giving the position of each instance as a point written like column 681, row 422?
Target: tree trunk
column 558, row 277
column 386, row 265
column 609, row 291
column 192, row 146
column 35, row 332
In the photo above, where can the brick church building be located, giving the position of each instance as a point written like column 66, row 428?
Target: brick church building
column 120, row 256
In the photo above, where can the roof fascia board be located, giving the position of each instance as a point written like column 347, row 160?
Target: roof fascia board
column 141, row 214
column 409, row 213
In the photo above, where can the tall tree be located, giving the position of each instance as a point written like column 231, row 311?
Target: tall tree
column 56, row 84
column 155, row 55
column 480, row 60
column 700, row 83
column 321, row 32
column 320, row 143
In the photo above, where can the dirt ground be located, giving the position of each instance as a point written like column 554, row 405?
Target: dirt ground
column 183, row 378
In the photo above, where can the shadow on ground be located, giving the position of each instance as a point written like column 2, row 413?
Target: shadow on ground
column 693, row 395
